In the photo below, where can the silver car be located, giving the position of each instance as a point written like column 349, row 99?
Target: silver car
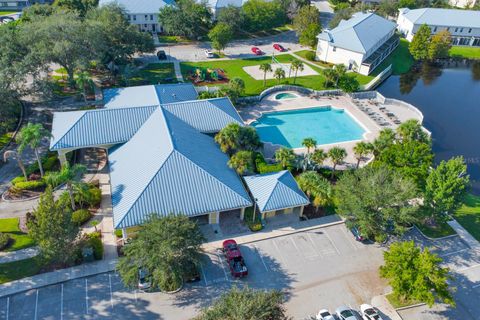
column 345, row 313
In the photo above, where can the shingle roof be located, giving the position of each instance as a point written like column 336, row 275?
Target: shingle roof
column 443, row 17
column 139, row 6
column 360, row 33
column 275, row 191
column 141, row 96
column 180, row 171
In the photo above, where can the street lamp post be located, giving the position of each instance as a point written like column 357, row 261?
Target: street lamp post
column 254, row 209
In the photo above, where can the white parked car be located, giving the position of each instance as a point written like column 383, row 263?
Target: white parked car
column 369, row 313
column 209, row 54
column 345, row 313
column 324, row 314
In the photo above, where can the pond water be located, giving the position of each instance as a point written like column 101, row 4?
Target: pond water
column 450, row 101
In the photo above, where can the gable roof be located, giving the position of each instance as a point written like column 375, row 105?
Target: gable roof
column 360, row 33
column 139, row 6
column 180, row 171
column 150, row 95
column 443, row 17
column 276, row 191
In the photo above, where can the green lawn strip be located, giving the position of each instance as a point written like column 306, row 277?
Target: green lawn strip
column 303, row 54
column 2, row 13
column 20, row 240
column 154, row 73
column 172, row 39
column 401, row 60
column 441, row 229
column 4, row 139
column 399, row 304
column 465, row 52
column 19, row 269
column 469, row 215
column 234, row 68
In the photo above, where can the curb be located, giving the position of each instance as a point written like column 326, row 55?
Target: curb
column 411, row 306
column 435, row 239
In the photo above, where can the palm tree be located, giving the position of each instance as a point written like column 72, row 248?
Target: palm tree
column 227, row 138
column 340, row 71
column 385, row 139
column 84, row 81
column 32, row 135
column 309, row 143
column 316, row 187
column 337, row 155
column 361, row 150
column 69, row 175
column 297, row 65
column 265, row 67
column 241, row 162
column 18, row 155
column 279, row 74
column 330, row 76
column 318, row 157
column 285, row 156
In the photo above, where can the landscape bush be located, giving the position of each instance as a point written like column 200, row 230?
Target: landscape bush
column 18, row 179
column 29, row 185
column 50, row 162
column 263, row 167
column 95, row 242
column 81, row 216
column 310, row 56
column 4, row 240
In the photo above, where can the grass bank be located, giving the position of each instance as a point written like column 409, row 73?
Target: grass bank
column 19, row 269
column 401, row 60
column 441, row 229
column 469, row 215
column 19, row 240
column 154, row 73
column 465, row 52
column 397, row 303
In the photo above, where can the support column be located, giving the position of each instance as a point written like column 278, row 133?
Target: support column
column 124, row 234
column 61, row 157
column 301, row 211
column 242, row 214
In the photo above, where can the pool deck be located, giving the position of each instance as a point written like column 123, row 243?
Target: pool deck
column 355, row 108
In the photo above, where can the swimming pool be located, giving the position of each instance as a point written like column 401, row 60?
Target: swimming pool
column 285, row 95
column 324, row 124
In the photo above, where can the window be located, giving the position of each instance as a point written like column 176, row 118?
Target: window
column 134, row 18
column 470, row 30
column 456, row 29
column 461, row 29
column 146, row 17
column 128, row 17
column 448, row 29
column 334, row 49
column 435, row 29
column 151, row 17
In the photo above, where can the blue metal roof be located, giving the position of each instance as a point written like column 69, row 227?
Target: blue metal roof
column 360, row 33
column 139, row 6
column 180, row 171
column 443, row 17
column 276, row 191
column 209, row 115
column 100, row 127
column 150, row 95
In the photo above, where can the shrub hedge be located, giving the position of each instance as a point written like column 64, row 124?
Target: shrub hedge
column 81, row 216
column 310, row 56
column 95, row 242
column 263, row 167
column 4, row 240
column 30, row 185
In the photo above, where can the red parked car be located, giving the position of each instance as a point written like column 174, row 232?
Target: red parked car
column 279, row 47
column 257, row 51
column 235, row 260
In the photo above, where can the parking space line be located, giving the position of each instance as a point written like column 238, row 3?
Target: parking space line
column 86, row 295
column 61, row 303
column 279, row 252
column 8, row 307
column 221, row 264
column 135, row 293
column 111, row 294
column 349, row 239
column 454, row 252
column 261, row 258
column 331, row 241
column 476, row 286
column 314, row 245
column 36, row 306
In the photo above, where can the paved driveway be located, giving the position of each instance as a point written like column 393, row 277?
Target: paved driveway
column 324, row 267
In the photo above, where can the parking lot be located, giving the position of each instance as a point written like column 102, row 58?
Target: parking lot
column 324, row 267
column 320, row 268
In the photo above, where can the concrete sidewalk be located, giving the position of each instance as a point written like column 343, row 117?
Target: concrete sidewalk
column 464, row 235
column 22, row 254
column 386, row 309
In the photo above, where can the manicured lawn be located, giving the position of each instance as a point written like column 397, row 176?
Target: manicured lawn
column 19, row 269
column 172, row 39
column 6, row 12
column 442, row 229
column 154, row 73
column 469, row 215
column 4, row 139
column 20, row 240
column 263, row 33
column 399, row 304
column 465, row 52
column 401, row 60
column 303, row 54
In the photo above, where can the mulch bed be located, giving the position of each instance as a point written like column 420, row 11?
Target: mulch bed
column 23, row 195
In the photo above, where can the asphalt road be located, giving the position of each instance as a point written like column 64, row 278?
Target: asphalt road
column 321, row 268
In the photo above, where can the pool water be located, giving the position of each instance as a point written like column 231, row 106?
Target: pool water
column 324, row 124
column 285, row 95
